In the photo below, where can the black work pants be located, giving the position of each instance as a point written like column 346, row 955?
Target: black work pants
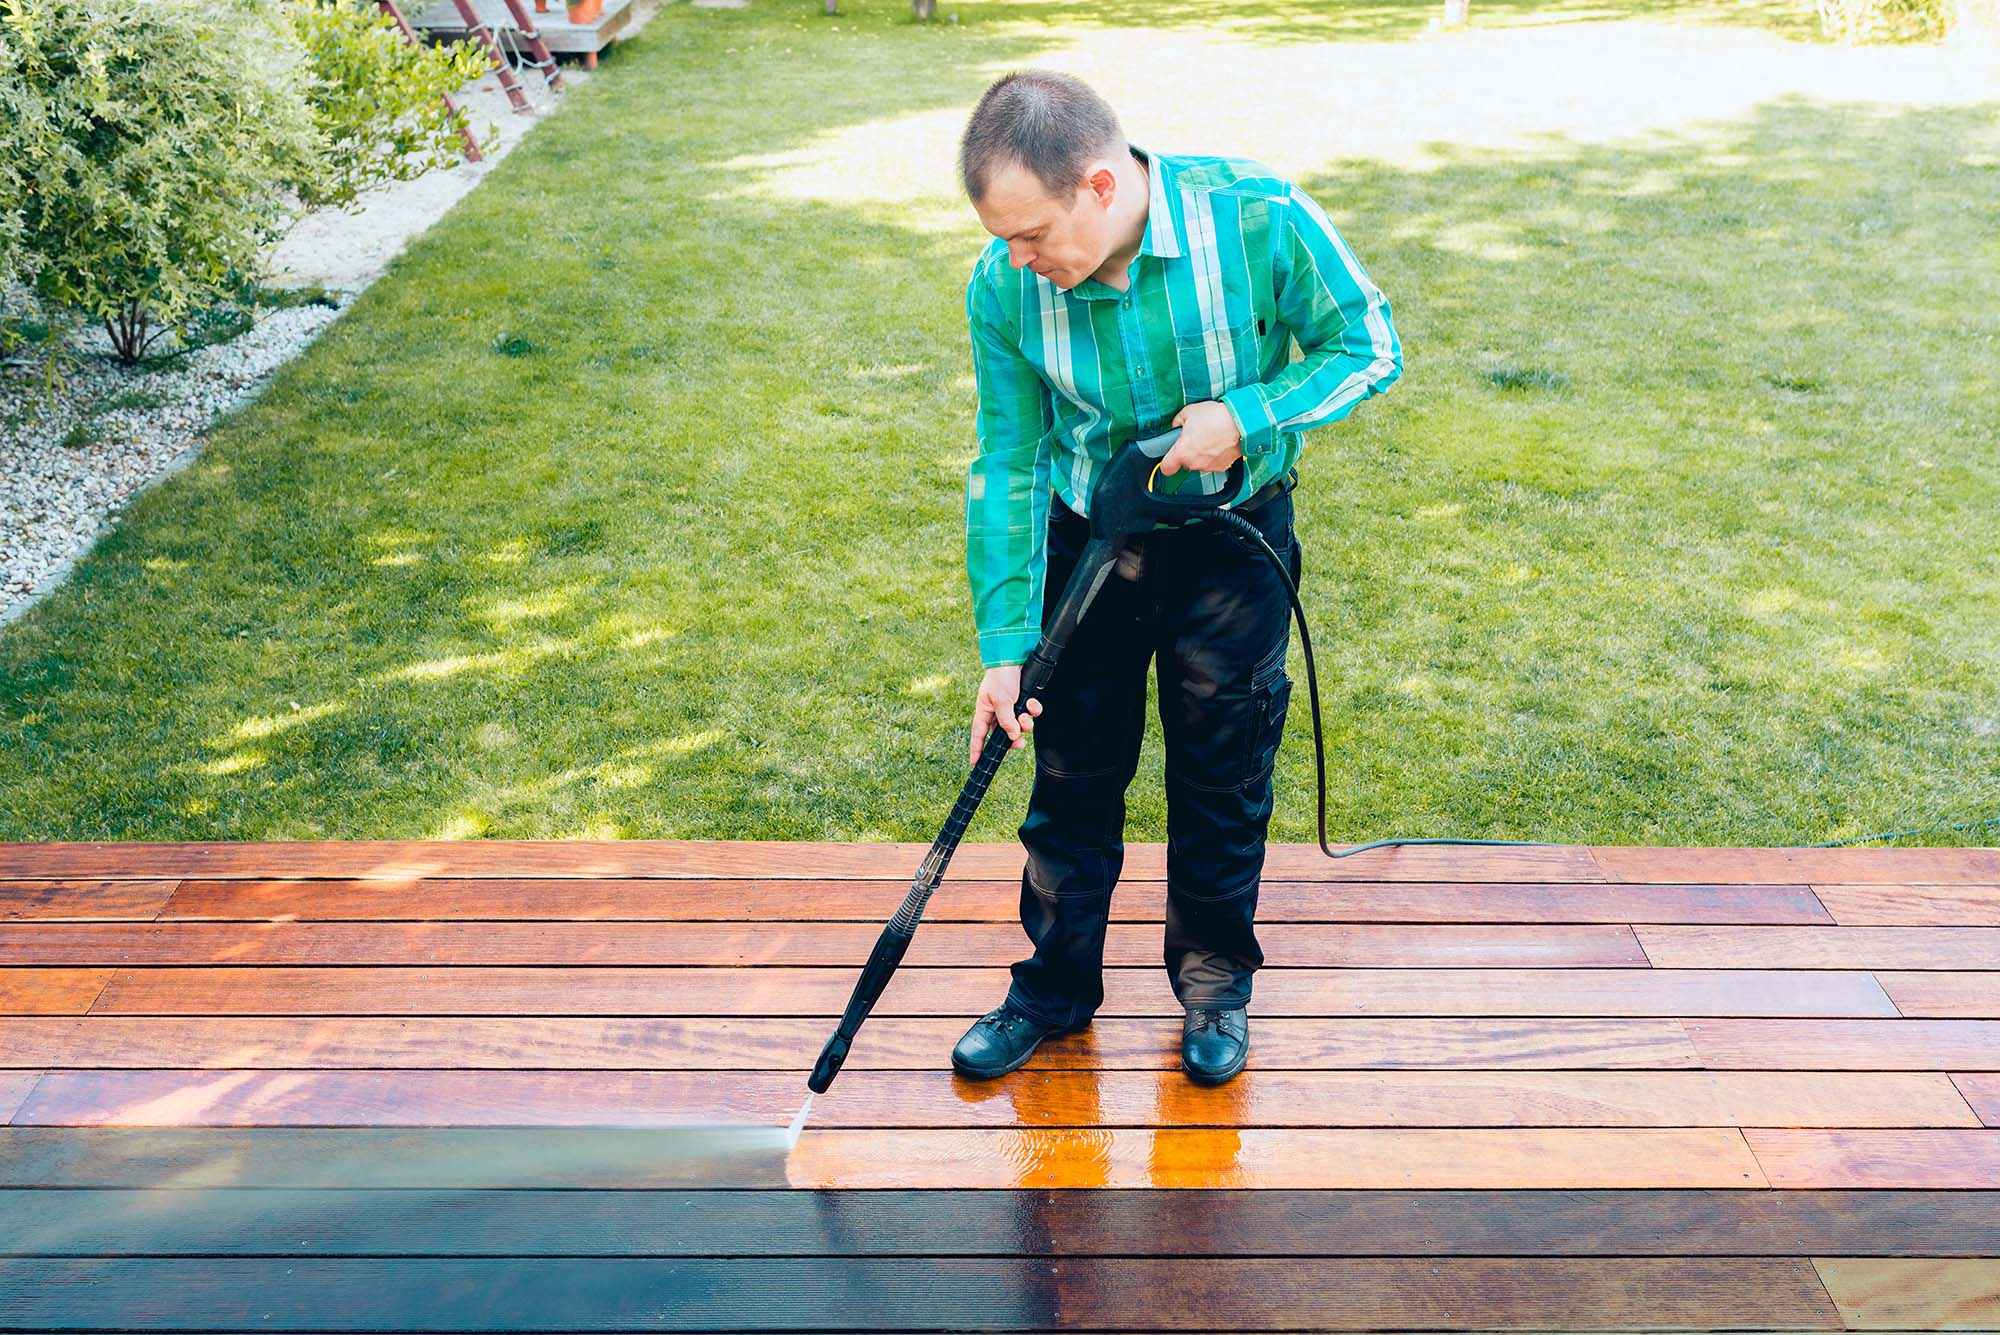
column 1213, row 610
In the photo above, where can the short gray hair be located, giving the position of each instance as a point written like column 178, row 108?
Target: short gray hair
column 1049, row 122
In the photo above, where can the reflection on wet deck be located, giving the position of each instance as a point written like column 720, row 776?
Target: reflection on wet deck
column 1544, row 1089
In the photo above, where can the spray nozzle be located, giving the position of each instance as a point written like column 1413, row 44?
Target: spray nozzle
column 828, row 1066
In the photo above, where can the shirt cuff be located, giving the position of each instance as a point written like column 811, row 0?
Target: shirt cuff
column 1004, row 648
column 1253, row 420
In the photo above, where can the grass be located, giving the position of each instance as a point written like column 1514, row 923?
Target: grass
column 1678, row 529
column 81, row 436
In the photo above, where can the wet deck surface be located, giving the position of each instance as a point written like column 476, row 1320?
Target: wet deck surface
column 544, row 1086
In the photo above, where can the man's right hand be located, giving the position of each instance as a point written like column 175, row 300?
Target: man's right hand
column 998, row 691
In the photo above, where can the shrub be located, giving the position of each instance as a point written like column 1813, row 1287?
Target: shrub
column 17, row 261
column 1856, row 21
column 156, row 141
column 377, row 100
column 14, row 257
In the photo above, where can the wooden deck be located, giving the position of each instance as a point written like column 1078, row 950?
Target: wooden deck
column 450, row 1086
column 443, row 22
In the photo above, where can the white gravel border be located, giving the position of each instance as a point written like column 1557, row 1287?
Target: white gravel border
column 58, row 498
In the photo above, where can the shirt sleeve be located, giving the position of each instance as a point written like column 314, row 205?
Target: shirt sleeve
column 1007, row 485
column 1341, row 322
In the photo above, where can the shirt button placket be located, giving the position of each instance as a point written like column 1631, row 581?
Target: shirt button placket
column 1143, row 402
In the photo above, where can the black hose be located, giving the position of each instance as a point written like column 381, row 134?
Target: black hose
column 1243, row 528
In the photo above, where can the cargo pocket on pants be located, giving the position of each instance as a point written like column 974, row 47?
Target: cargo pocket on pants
column 1271, row 696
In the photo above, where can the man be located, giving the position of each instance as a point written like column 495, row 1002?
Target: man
column 1126, row 292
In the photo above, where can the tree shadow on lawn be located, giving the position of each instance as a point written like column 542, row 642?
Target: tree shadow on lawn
column 1674, row 531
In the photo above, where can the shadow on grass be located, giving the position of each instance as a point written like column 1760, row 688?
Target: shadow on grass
column 631, row 504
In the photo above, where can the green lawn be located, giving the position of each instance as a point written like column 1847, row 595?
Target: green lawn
column 630, row 504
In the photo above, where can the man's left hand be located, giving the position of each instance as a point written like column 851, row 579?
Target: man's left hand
column 1209, row 440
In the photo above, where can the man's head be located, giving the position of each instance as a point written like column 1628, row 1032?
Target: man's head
column 1046, row 166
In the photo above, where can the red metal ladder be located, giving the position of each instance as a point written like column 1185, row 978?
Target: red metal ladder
column 472, row 153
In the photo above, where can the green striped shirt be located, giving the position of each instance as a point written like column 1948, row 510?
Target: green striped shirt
column 1236, row 262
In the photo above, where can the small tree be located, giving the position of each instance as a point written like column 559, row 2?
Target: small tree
column 157, row 142
column 376, row 98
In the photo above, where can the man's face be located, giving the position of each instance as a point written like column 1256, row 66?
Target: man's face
column 1064, row 239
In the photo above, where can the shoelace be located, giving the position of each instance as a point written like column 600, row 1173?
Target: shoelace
column 1206, row 1019
column 1004, row 1018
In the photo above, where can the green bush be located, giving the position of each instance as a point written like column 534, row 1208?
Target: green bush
column 1856, row 21
column 17, row 260
column 157, row 141
column 14, row 257
column 377, row 100
column 150, row 150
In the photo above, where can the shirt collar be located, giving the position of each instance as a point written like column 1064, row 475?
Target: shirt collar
column 1163, row 237
column 1163, row 234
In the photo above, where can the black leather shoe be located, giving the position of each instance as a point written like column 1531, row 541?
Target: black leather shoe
column 1215, row 1043
column 1002, row 1040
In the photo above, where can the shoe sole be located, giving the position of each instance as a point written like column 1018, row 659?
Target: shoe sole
column 989, row 1073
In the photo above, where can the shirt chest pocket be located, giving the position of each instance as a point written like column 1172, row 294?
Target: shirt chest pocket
column 1219, row 359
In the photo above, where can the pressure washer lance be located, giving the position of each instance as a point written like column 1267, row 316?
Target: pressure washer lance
column 1122, row 504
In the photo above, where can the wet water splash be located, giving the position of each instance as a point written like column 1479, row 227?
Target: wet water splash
column 799, row 1122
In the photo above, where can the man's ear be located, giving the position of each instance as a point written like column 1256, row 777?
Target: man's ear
column 1103, row 183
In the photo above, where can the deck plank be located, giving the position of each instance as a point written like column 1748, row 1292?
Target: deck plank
column 1673, row 947
column 14, row 1089
column 1000, row 860
column 57, row 991
column 1808, row 866
column 1363, row 1293
column 1324, row 1159
column 1002, row 1222
column 80, row 898
column 1133, row 990
column 756, row 859
column 654, row 1157
column 965, row 900
column 1001, row 1294
column 1944, row 1159
column 1847, row 1045
column 1912, row 905
column 937, row 1099
column 1969, row 995
column 601, row 943
column 1932, row 1294
column 769, row 1043
column 1981, row 1091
